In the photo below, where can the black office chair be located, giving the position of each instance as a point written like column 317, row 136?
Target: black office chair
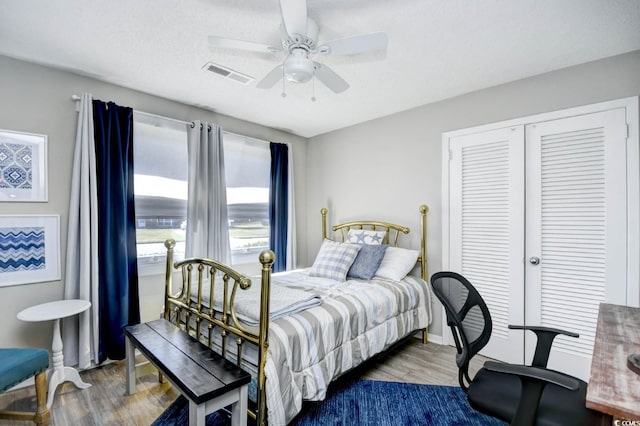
column 519, row 394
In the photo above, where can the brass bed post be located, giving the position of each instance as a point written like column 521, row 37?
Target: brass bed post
column 169, row 244
column 267, row 258
column 424, row 210
column 323, row 212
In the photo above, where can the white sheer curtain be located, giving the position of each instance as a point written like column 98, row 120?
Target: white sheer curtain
column 207, row 219
column 292, row 260
column 80, row 335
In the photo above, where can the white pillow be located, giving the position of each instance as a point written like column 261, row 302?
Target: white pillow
column 364, row 236
column 334, row 260
column 397, row 263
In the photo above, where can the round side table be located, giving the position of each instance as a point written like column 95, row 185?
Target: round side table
column 56, row 311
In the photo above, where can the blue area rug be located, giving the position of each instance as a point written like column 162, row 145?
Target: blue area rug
column 368, row 402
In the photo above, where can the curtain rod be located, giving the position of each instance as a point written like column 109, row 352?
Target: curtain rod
column 148, row 114
column 188, row 123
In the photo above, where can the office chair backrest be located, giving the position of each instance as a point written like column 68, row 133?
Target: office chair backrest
column 467, row 315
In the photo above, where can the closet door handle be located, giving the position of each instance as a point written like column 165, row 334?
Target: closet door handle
column 534, row 260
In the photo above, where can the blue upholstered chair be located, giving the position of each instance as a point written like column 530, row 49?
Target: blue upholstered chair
column 16, row 366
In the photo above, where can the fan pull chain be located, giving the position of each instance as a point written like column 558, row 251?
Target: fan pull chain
column 284, row 93
column 313, row 87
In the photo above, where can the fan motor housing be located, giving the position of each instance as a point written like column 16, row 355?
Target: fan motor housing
column 307, row 41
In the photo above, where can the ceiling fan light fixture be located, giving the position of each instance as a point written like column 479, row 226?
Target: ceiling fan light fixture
column 299, row 35
column 297, row 67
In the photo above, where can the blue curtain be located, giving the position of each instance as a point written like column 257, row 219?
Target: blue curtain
column 118, row 270
column 278, row 203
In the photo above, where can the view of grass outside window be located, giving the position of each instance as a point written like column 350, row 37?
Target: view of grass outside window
column 247, row 167
column 160, row 182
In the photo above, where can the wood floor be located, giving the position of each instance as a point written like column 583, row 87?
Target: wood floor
column 105, row 403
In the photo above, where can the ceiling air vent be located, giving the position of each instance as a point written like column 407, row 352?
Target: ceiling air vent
column 228, row 73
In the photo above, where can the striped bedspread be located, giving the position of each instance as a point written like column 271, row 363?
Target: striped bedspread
column 284, row 300
column 356, row 320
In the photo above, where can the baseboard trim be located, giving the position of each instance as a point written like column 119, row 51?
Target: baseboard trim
column 434, row 338
column 431, row 338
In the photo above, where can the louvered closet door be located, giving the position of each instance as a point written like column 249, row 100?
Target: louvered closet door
column 487, row 228
column 576, row 227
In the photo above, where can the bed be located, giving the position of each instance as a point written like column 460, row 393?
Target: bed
column 297, row 331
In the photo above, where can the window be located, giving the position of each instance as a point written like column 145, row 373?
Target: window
column 247, row 167
column 161, row 189
column 160, row 185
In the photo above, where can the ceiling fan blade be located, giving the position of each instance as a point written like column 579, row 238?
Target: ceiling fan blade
column 354, row 45
column 294, row 16
column 231, row 43
column 270, row 80
column 329, row 78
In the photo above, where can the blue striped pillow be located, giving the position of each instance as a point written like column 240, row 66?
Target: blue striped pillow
column 334, row 260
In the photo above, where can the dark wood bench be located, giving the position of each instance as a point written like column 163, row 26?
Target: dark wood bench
column 207, row 380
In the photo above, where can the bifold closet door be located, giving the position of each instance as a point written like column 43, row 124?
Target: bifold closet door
column 487, row 228
column 538, row 217
column 576, row 216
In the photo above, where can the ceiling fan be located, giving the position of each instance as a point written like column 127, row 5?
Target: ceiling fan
column 300, row 44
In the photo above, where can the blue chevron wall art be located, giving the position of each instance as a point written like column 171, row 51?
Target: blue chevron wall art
column 29, row 249
column 23, row 166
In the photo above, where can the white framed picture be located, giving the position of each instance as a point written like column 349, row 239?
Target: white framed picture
column 29, row 249
column 23, row 167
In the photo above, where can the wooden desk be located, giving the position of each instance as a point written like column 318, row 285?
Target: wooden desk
column 613, row 387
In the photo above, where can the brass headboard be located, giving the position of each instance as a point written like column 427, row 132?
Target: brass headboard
column 392, row 233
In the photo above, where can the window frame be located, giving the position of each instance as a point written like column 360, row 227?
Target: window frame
column 155, row 264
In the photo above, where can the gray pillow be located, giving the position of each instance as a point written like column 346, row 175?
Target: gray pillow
column 367, row 262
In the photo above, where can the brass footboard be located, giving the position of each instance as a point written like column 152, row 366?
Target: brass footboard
column 202, row 280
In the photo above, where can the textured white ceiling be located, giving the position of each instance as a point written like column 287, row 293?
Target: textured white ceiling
column 437, row 49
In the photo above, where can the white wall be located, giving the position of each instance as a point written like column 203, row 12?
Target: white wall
column 38, row 99
column 384, row 169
